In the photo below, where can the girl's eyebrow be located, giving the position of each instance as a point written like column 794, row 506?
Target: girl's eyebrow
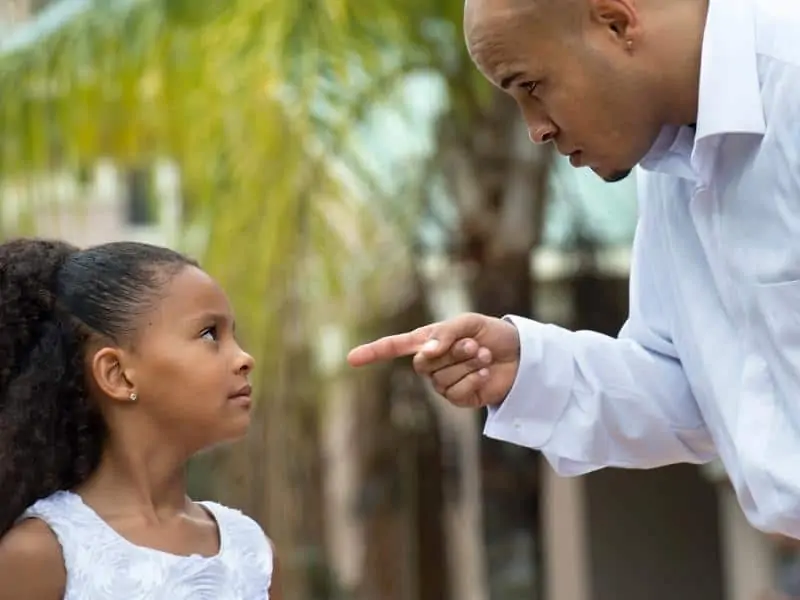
column 214, row 317
column 206, row 316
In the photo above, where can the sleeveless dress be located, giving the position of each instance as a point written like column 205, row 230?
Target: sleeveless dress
column 101, row 564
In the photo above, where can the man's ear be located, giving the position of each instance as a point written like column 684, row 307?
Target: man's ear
column 108, row 369
column 619, row 17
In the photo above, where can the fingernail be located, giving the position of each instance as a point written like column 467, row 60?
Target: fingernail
column 483, row 373
column 430, row 345
column 484, row 355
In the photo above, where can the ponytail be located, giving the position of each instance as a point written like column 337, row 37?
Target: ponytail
column 50, row 438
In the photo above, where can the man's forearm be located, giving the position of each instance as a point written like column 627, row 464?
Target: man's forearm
column 588, row 401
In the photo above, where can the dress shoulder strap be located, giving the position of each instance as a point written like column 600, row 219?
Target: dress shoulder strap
column 243, row 542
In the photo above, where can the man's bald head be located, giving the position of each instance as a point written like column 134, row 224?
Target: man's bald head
column 488, row 23
column 479, row 12
column 595, row 77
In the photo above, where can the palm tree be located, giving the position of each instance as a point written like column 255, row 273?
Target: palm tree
column 263, row 105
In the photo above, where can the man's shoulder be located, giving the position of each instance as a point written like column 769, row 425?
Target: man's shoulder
column 778, row 59
column 777, row 25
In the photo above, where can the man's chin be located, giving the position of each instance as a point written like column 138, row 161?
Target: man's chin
column 613, row 176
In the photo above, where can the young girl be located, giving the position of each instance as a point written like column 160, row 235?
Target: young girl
column 117, row 364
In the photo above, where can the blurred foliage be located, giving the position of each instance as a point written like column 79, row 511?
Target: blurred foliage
column 255, row 100
column 260, row 103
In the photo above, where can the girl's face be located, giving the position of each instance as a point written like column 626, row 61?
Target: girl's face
column 188, row 371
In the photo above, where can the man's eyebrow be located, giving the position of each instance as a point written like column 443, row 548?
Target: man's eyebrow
column 506, row 82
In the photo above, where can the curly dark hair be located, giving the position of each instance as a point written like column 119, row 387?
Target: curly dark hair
column 54, row 298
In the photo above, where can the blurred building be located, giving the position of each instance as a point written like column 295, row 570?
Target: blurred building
column 105, row 203
column 13, row 12
column 16, row 12
column 96, row 203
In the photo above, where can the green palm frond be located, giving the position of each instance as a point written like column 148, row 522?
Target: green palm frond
column 262, row 104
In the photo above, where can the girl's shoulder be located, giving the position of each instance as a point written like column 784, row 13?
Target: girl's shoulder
column 245, row 545
column 31, row 562
column 239, row 532
column 227, row 515
column 233, row 521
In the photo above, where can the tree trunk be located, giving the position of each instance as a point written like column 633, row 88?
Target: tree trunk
column 459, row 430
column 342, row 478
column 401, row 499
column 282, row 450
column 503, row 285
column 498, row 181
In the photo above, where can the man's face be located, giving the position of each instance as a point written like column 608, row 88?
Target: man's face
column 577, row 81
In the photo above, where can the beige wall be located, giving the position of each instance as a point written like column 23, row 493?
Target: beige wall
column 13, row 12
column 747, row 553
column 94, row 212
column 565, row 529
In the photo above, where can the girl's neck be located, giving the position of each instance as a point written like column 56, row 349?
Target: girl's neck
column 143, row 480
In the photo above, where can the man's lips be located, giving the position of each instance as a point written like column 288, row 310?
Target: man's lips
column 576, row 158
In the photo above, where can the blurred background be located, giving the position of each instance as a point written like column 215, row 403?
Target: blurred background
column 340, row 166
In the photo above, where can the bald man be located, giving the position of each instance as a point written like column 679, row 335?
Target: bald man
column 705, row 98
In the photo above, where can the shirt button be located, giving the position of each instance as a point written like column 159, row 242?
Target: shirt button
column 517, row 424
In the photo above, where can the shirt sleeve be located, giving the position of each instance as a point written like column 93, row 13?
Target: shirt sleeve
column 589, row 401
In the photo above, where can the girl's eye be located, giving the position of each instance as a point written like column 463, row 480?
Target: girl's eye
column 210, row 333
column 529, row 86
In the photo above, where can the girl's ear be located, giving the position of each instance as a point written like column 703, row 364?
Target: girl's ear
column 108, row 371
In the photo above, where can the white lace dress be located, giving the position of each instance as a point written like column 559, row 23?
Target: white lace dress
column 101, row 564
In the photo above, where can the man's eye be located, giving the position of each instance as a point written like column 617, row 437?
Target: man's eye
column 529, row 86
column 210, row 333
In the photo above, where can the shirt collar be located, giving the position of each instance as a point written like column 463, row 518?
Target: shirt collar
column 729, row 96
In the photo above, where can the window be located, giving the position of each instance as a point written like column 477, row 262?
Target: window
column 141, row 205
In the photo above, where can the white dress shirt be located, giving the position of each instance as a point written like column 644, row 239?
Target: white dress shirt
column 708, row 363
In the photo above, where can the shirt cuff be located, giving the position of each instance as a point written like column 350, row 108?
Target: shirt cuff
column 541, row 390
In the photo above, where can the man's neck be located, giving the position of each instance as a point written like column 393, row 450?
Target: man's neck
column 680, row 61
